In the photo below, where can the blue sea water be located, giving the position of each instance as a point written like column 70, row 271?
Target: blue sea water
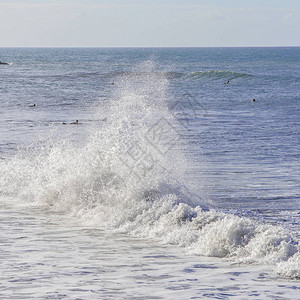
column 171, row 155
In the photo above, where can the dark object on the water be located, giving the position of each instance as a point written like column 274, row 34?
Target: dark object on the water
column 3, row 63
column 104, row 120
column 253, row 100
column 112, row 83
column 72, row 123
column 226, row 82
column 32, row 105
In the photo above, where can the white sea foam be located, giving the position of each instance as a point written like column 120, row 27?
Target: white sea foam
column 130, row 176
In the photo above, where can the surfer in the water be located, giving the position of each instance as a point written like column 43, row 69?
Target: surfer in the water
column 3, row 63
column 32, row 105
column 226, row 82
column 253, row 100
column 72, row 123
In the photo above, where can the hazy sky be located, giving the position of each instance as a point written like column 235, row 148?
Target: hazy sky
column 145, row 23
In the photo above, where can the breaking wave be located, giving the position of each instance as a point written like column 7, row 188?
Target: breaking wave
column 130, row 176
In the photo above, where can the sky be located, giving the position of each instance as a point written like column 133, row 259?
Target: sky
column 145, row 23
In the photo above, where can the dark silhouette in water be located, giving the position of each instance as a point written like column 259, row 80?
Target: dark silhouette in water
column 253, row 100
column 3, row 63
column 226, row 82
column 32, row 105
column 72, row 123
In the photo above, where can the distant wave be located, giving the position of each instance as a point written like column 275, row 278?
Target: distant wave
column 215, row 74
column 211, row 74
column 198, row 75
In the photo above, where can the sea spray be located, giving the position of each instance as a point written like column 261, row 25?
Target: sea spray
column 134, row 153
column 130, row 175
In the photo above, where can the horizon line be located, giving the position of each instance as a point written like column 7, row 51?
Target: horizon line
column 114, row 47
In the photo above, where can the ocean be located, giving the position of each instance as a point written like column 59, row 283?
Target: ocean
column 150, row 173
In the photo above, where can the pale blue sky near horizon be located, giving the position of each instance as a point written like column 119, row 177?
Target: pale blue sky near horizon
column 145, row 23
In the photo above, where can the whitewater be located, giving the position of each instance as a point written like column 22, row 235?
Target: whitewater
column 120, row 206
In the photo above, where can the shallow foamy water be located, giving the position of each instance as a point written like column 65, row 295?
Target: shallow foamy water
column 44, row 257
